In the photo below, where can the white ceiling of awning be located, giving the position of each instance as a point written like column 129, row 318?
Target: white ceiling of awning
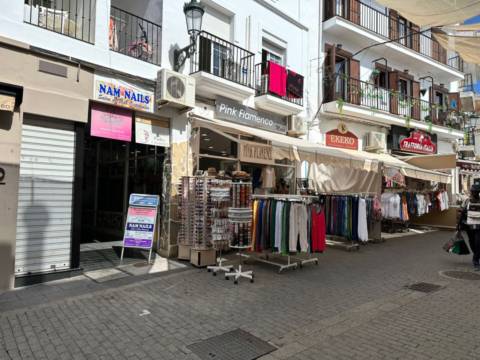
column 446, row 15
column 428, row 13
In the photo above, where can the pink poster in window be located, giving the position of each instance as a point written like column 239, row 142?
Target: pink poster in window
column 111, row 123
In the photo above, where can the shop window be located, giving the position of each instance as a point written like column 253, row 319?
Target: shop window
column 228, row 166
column 212, row 143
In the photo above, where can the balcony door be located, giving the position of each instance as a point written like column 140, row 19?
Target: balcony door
column 341, row 79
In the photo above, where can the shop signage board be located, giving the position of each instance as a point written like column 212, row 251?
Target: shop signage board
column 152, row 132
column 341, row 138
column 7, row 103
column 232, row 111
column 419, row 143
column 469, row 166
column 122, row 93
column 141, row 222
column 256, row 153
column 111, row 123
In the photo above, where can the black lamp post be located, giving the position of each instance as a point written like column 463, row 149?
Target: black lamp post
column 193, row 15
column 424, row 91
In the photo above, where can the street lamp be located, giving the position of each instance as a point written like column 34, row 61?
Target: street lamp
column 193, row 15
column 424, row 91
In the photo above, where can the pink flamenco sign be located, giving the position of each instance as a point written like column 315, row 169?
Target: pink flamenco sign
column 111, row 123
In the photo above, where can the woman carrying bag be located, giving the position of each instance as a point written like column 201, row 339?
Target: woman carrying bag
column 470, row 222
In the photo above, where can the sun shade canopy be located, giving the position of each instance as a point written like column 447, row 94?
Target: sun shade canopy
column 429, row 13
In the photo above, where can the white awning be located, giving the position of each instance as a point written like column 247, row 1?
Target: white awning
column 287, row 147
column 428, row 13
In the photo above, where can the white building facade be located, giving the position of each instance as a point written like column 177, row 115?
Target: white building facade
column 72, row 66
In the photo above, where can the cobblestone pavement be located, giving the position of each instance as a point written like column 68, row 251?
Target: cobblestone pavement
column 351, row 306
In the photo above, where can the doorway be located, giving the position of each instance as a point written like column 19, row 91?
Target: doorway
column 112, row 171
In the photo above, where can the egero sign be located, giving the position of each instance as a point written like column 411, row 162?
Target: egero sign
column 234, row 112
column 341, row 138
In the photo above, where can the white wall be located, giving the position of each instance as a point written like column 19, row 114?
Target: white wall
column 12, row 26
column 293, row 25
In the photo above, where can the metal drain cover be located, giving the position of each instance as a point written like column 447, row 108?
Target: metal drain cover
column 424, row 287
column 233, row 345
column 461, row 275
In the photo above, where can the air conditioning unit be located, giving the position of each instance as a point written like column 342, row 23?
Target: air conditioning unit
column 175, row 89
column 374, row 141
column 296, row 126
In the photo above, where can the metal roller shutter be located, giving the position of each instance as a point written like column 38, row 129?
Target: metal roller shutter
column 44, row 215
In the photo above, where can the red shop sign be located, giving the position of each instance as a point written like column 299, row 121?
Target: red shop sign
column 419, row 143
column 341, row 139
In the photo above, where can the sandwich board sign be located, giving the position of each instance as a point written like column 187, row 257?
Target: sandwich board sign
column 141, row 223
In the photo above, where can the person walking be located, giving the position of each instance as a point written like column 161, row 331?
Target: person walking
column 470, row 222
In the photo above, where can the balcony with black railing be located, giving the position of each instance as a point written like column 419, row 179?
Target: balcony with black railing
column 73, row 18
column 392, row 27
column 222, row 68
column 134, row 36
column 346, row 90
column 292, row 92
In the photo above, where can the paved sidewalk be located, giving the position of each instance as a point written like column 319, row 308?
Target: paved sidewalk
column 351, row 306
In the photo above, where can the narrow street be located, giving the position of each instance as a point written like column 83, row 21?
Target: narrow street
column 351, row 306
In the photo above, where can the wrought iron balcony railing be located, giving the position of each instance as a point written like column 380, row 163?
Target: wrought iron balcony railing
column 221, row 58
column 73, row 18
column 344, row 89
column 391, row 27
column 134, row 36
column 262, row 86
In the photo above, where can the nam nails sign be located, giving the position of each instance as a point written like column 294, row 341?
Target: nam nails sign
column 341, row 138
column 418, row 143
column 122, row 93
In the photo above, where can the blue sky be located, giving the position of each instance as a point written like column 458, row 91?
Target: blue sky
column 474, row 20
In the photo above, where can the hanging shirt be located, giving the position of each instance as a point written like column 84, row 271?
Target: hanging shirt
column 362, row 221
column 268, row 177
column 318, row 233
column 277, row 79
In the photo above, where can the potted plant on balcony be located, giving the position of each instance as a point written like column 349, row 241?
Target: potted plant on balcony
column 407, row 121
column 340, row 103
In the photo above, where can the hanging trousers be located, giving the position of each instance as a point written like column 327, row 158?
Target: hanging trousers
column 298, row 227
column 278, row 226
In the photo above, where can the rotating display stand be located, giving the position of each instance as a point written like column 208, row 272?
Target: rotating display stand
column 220, row 195
column 240, row 218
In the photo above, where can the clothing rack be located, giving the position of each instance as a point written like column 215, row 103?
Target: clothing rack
column 268, row 257
column 285, row 197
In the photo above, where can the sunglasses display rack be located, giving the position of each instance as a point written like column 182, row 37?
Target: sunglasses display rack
column 204, row 217
column 240, row 218
column 186, row 190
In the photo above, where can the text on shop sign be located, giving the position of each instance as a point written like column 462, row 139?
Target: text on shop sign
column 256, row 153
column 419, row 143
column 346, row 140
column 234, row 112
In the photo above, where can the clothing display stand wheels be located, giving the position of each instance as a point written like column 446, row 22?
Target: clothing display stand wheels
column 281, row 266
column 308, row 260
column 239, row 273
column 336, row 242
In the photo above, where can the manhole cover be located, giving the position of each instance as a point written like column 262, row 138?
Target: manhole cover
column 234, row 345
column 424, row 287
column 461, row 275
